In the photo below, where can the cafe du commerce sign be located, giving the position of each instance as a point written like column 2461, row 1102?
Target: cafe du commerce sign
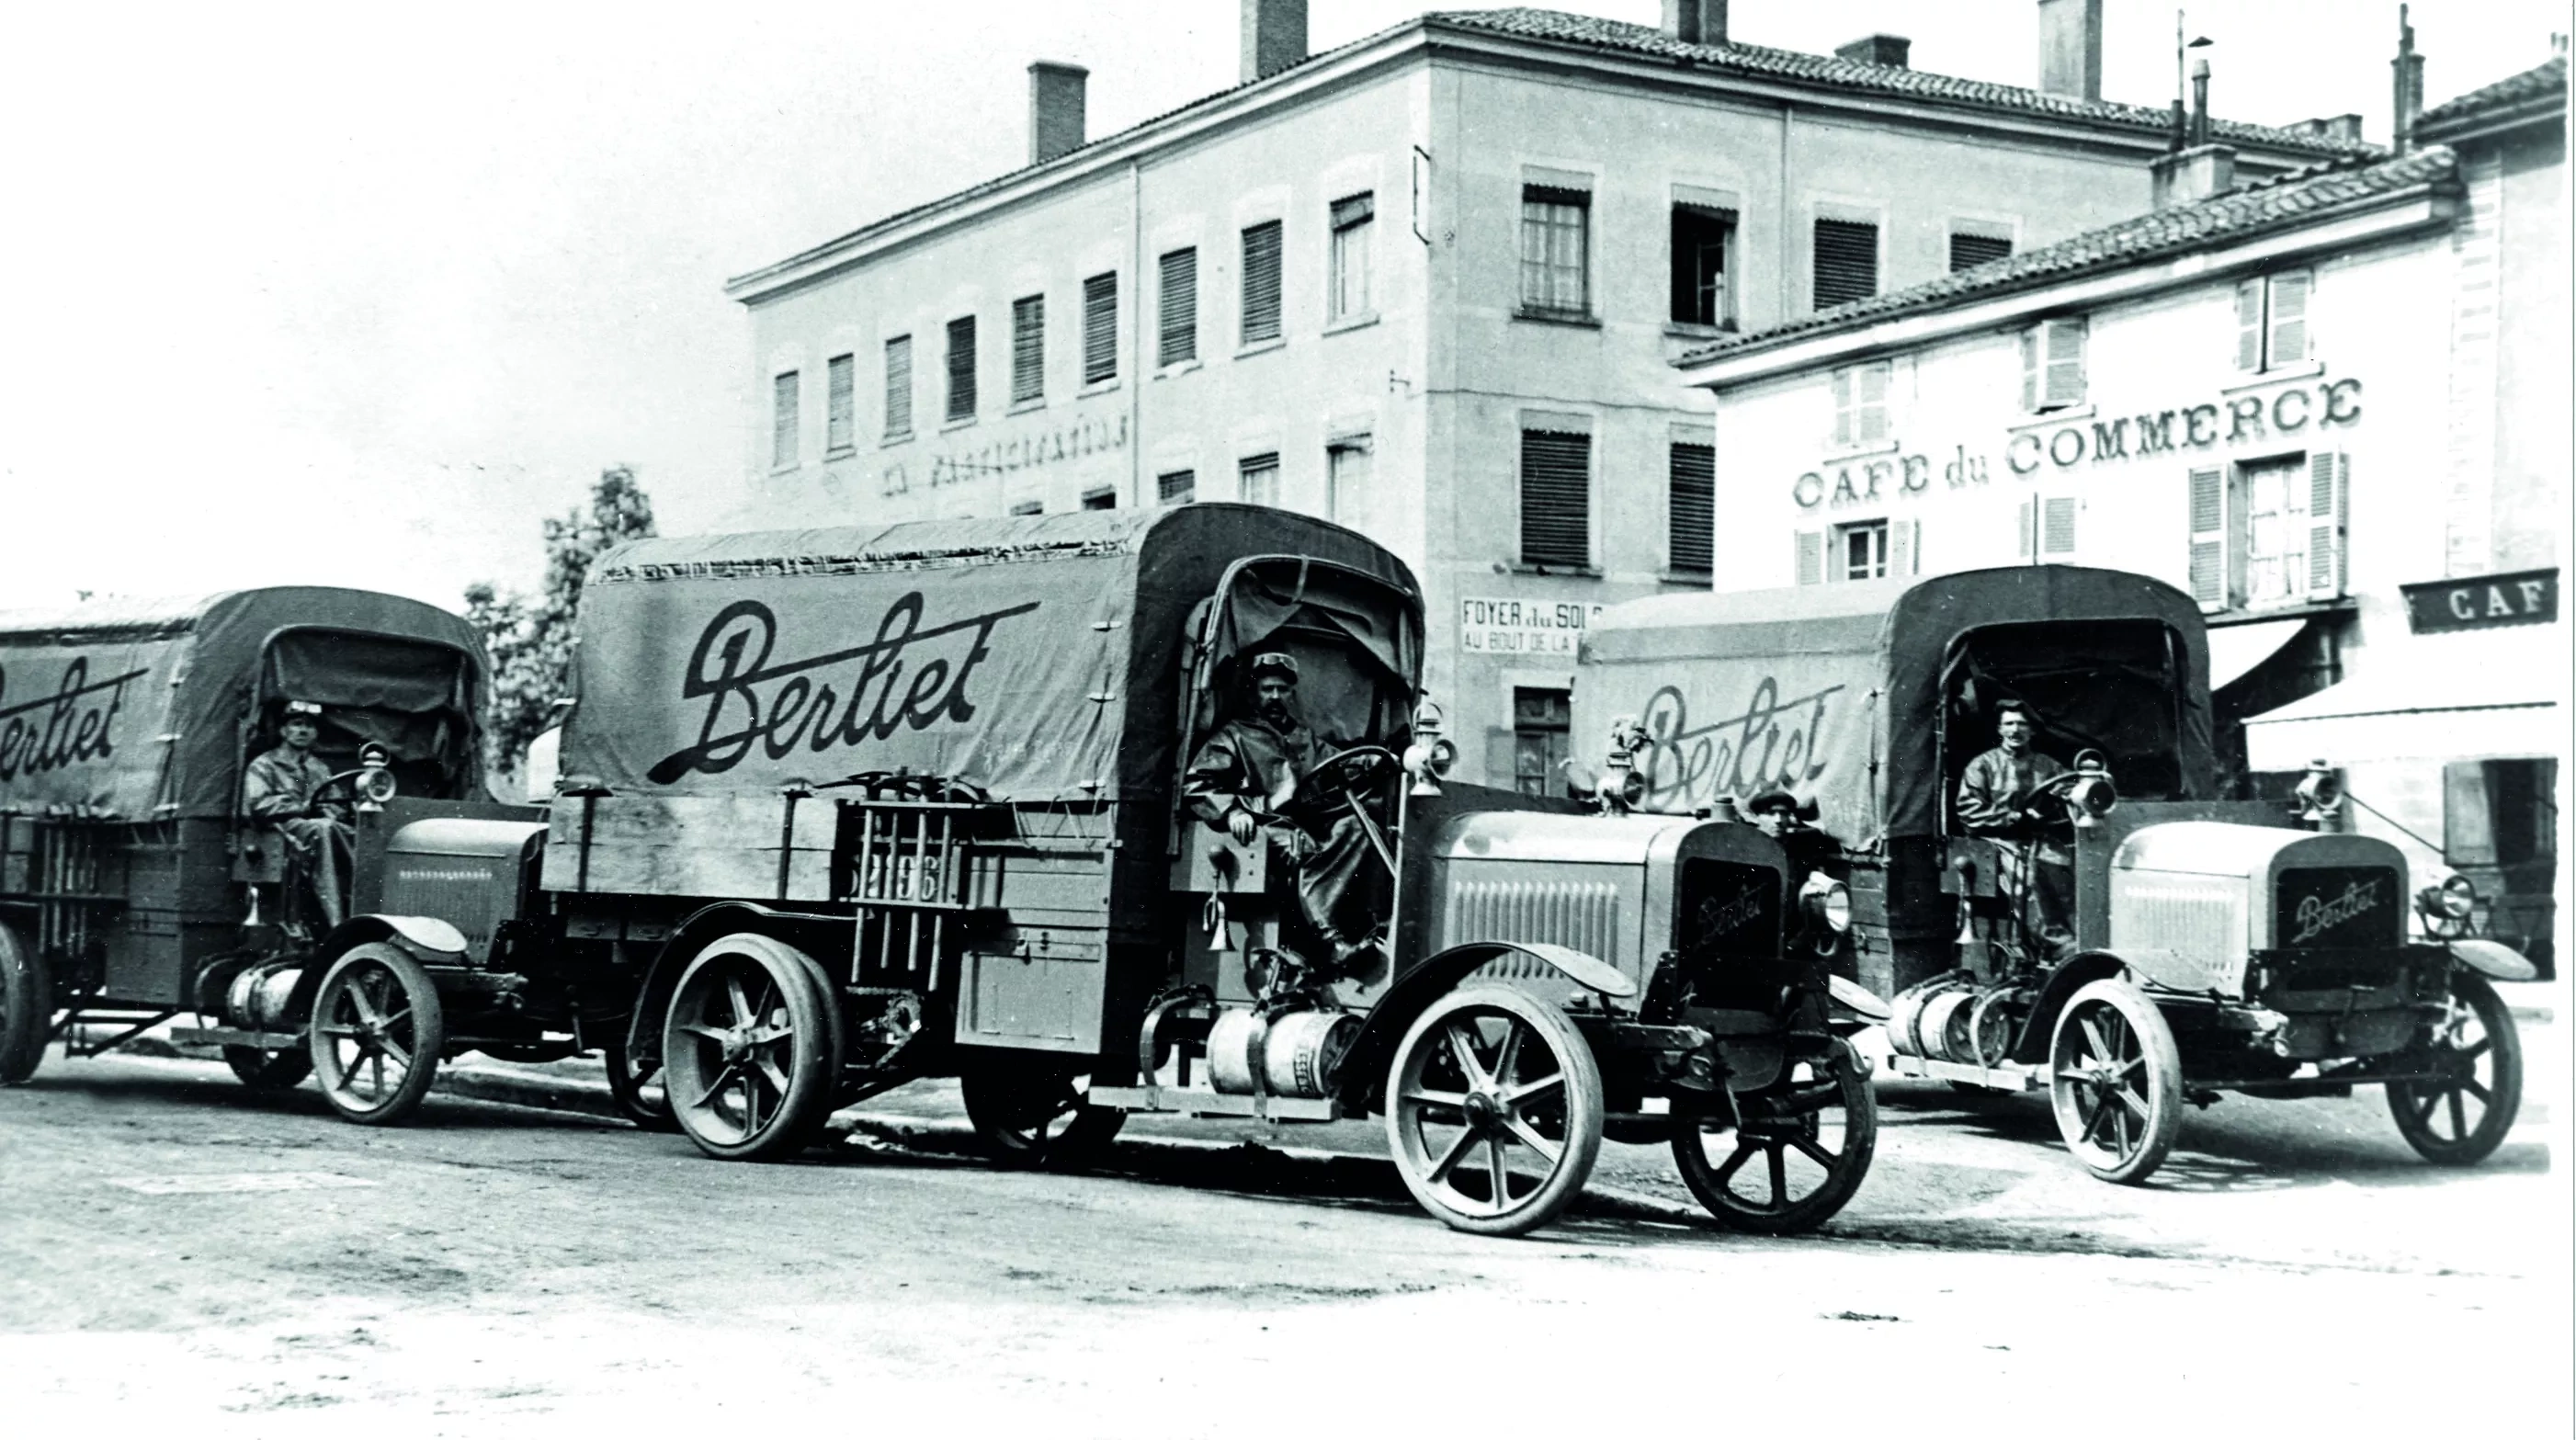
column 2480, row 602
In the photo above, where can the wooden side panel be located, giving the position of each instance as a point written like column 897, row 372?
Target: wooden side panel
column 1041, row 982
column 1875, row 959
column 718, row 846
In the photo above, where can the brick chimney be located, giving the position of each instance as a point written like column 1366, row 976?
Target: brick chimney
column 2187, row 177
column 1889, row 50
column 1696, row 22
column 1055, row 109
column 1274, row 37
column 2408, row 80
column 2333, row 127
column 2070, row 48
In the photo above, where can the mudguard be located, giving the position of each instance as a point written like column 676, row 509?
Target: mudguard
column 425, row 937
column 1855, row 997
column 2493, row 959
column 1363, row 1072
column 702, row 927
column 2063, row 982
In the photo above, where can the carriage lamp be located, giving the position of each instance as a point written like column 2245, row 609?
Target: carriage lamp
column 375, row 784
column 2447, row 907
column 1620, row 786
column 1827, row 903
column 2320, row 795
column 2092, row 796
column 1430, row 756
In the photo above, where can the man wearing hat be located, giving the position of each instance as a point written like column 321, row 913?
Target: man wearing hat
column 1777, row 813
column 1994, row 799
column 1248, row 769
column 283, row 785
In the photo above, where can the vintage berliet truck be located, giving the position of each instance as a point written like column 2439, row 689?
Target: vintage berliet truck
column 2215, row 944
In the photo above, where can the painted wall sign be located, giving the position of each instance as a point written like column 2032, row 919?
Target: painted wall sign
column 1495, row 625
column 1001, row 457
column 2525, row 597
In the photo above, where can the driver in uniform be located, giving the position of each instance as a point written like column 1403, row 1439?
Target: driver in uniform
column 1249, row 769
column 1994, row 799
column 282, row 786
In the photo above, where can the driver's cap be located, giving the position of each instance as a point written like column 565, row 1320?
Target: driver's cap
column 1274, row 662
column 308, row 709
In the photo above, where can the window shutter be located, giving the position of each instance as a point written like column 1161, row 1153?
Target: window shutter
column 2468, row 817
column 1100, row 328
column 1556, row 498
column 1846, row 262
column 2328, row 475
column 1905, row 548
column 898, row 389
column 1873, row 403
column 2209, row 538
column 1811, row 557
column 2249, row 325
column 1028, row 348
column 1257, row 479
column 2026, row 523
column 1967, row 252
column 2057, row 525
column 1842, row 409
column 1176, row 487
column 784, row 426
column 840, row 405
column 961, row 368
column 1261, row 282
column 1179, row 310
column 2289, row 320
column 1346, row 482
column 2065, row 362
column 2030, row 371
column 1693, row 506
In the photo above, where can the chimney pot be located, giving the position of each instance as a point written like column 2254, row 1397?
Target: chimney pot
column 1696, row 22
column 2187, row 177
column 2408, row 101
column 2070, row 48
column 1890, row 50
column 1274, row 37
column 1056, row 92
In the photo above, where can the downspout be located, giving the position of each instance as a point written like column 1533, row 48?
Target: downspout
column 1788, row 243
column 1136, row 333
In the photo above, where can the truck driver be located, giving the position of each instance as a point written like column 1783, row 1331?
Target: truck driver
column 282, row 786
column 1994, row 798
column 1248, row 770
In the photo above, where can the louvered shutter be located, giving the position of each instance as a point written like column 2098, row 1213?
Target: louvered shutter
column 1871, row 427
column 2030, row 371
column 2327, row 486
column 1176, row 487
column 2287, row 320
column 1693, row 506
column 1556, row 498
column 2057, row 525
column 1967, row 252
column 840, row 403
column 1100, row 328
column 961, row 368
column 1904, row 547
column 2249, row 325
column 2209, row 538
column 1842, row 409
column 898, row 386
column 1178, row 313
column 785, row 426
column 1261, row 282
column 2026, row 526
column 1846, row 262
column 2065, row 362
column 1811, row 557
column 1028, row 349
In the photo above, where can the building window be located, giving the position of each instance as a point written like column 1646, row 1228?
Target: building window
column 1101, row 498
column 2272, row 321
column 1261, row 282
column 1556, row 251
column 1846, row 262
column 1028, row 349
column 1029, row 507
column 2272, row 535
column 2047, row 528
column 1860, row 551
column 1347, row 284
column 1176, row 487
column 1179, row 310
column 1968, row 251
column 1100, row 328
column 1542, row 720
column 784, row 426
column 1556, row 498
column 961, row 368
column 1701, row 238
column 2052, row 365
column 1863, row 550
column 840, row 404
column 1346, row 481
column 1256, row 479
column 1691, row 507
column 1860, row 404
column 898, row 387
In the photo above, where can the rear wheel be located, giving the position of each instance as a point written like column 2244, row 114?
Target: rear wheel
column 749, row 1055
column 1800, row 1153
column 26, row 1009
column 270, row 1069
column 2115, row 1081
column 1494, row 1110
column 1030, row 1113
column 376, row 1035
column 2462, row 1118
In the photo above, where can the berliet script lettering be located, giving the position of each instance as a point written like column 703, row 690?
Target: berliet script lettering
column 76, row 724
column 780, row 706
column 1774, row 742
column 2317, row 914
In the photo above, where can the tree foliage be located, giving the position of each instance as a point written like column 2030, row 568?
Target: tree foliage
column 530, row 637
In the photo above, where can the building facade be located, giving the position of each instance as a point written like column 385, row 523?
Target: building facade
column 2331, row 406
column 1430, row 285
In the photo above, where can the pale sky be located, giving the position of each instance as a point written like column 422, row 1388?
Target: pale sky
column 355, row 295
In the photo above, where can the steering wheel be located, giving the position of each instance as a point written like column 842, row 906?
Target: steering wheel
column 1361, row 768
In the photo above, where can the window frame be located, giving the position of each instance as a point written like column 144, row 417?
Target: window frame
column 1264, row 463
column 1541, row 273
column 1028, row 349
column 1176, row 307
column 1816, row 272
column 840, row 405
column 1536, row 550
column 1259, row 300
column 1853, row 409
column 898, row 389
column 1338, row 506
column 2056, row 361
column 786, row 419
column 2260, row 325
column 1690, row 285
column 963, row 397
column 1702, row 455
column 1100, row 329
column 1349, row 266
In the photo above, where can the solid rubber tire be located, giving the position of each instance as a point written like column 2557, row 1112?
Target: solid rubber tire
column 1860, row 1145
column 2503, row 1104
column 2161, row 1062
column 1581, row 1144
column 429, row 1033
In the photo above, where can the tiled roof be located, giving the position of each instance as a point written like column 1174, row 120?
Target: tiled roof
column 2230, row 218
column 1857, row 75
column 2540, row 82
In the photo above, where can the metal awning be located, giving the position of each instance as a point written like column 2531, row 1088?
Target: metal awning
column 2234, row 650
column 2447, row 714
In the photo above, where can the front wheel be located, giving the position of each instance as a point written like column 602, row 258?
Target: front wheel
column 1814, row 1132
column 2462, row 1118
column 26, row 1009
column 1494, row 1110
column 377, row 1034
column 1030, row 1113
column 2115, row 1080
column 749, row 1051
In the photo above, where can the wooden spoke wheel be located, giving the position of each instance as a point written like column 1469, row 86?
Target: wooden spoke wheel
column 1799, row 1155
column 26, row 1008
column 1030, row 1113
column 1494, row 1110
column 2462, row 1118
column 751, row 1050
column 637, row 1088
column 2115, row 1081
column 270, row 1070
column 376, row 1034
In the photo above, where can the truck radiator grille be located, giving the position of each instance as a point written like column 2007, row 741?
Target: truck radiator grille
column 2195, row 918
column 1580, row 915
column 467, row 893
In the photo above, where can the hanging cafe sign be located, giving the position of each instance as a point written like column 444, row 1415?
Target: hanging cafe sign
column 2284, row 412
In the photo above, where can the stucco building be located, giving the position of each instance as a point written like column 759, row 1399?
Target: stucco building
column 1431, row 285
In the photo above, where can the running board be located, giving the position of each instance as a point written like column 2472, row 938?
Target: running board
column 2007, row 1076
column 1156, row 1099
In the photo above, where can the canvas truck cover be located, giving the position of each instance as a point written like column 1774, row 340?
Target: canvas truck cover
column 1035, row 658
column 1834, row 692
column 134, row 709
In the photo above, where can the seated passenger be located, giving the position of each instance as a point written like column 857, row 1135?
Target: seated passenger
column 2033, row 866
column 1776, row 814
column 282, row 786
column 1247, row 771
